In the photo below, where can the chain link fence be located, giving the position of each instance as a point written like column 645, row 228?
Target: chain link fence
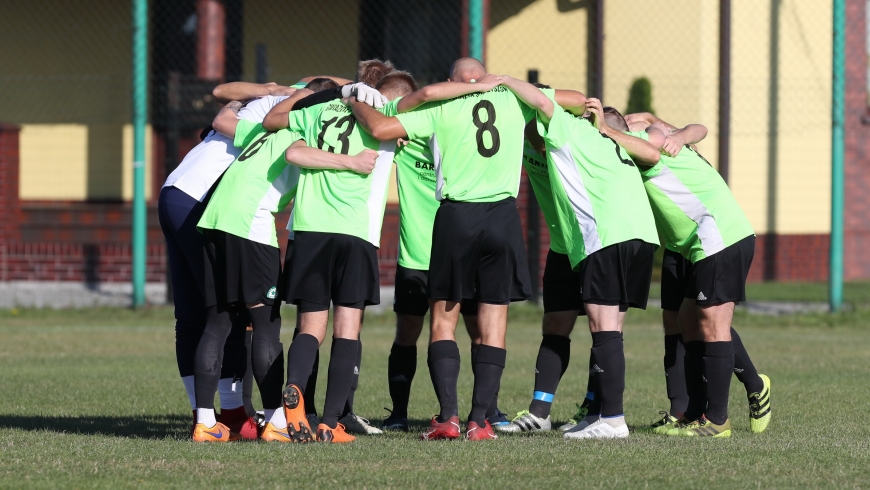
column 65, row 81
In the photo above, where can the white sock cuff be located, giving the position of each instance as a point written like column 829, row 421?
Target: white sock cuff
column 191, row 391
column 230, row 392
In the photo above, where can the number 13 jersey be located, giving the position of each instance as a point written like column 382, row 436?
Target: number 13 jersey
column 477, row 145
column 598, row 193
column 340, row 201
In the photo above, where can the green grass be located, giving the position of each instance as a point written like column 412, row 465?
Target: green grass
column 856, row 293
column 91, row 398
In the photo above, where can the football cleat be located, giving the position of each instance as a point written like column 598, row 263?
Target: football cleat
column 274, row 434
column 355, row 424
column 337, row 435
column 526, row 421
column 582, row 412
column 218, row 433
column 702, row 428
column 395, row 422
column 759, row 407
column 498, row 419
column 600, row 429
column 294, row 412
column 449, row 429
column 238, row 421
column 474, row 432
column 661, row 426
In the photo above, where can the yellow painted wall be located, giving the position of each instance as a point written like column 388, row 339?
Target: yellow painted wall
column 675, row 44
column 54, row 161
column 303, row 38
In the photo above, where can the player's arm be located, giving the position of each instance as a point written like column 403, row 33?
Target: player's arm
column 572, row 101
column 227, row 119
column 338, row 80
column 445, row 91
column 279, row 116
column 642, row 152
column 532, row 96
column 649, row 119
column 689, row 135
column 381, row 127
column 226, row 92
column 304, row 156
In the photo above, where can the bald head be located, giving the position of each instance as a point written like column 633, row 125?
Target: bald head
column 466, row 70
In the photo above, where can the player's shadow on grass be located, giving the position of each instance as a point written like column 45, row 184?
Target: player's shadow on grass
column 144, row 427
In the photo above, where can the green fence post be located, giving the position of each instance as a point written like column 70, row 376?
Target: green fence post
column 835, row 297
column 475, row 29
column 140, row 107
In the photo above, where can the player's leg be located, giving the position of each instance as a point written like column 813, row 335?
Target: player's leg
column 674, row 282
column 185, row 252
column 757, row 385
column 410, row 306
column 342, row 365
column 618, row 274
column 502, row 277
column 456, row 244
column 231, row 389
column 562, row 304
column 469, row 309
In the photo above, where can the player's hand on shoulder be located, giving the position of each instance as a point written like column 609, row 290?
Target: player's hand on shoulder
column 364, row 94
column 673, row 144
column 364, row 162
column 489, row 82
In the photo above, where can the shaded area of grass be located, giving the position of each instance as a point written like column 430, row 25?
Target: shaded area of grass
column 91, row 398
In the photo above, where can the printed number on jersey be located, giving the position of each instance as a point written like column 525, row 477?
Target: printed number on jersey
column 485, row 127
column 345, row 125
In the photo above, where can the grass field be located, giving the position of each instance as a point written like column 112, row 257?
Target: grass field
column 91, row 398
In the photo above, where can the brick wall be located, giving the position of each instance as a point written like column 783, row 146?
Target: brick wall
column 857, row 125
column 9, row 205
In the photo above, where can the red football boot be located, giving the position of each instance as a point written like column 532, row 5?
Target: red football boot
column 238, row 421
column 447, row 430
column 474, row 432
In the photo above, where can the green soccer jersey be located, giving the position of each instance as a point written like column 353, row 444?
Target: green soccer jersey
column 539, row 177
column 598, row 194
column 477, row 145
column 340, row 201
column 257, row 184
column 693, row 207
column 415, row 171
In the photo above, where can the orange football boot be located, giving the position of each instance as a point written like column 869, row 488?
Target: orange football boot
column 218, row 433
column 335, row 436
column 294, row 412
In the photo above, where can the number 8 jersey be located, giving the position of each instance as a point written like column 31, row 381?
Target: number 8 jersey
column 597, row 191
column 340, row 201
column 477, row 145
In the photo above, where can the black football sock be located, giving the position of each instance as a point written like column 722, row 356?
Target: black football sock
column 488, row 367
column 443, row 361
column 607, row 347
column 348, row 405
column 718, row 366
column 342, row 364
column 209, row 356
column 235, row 359
column 311, row 386
column 401, row 368
column 553, row 357
column 695, row 387
column 744, row 369
column 675, row 374
column 592, row 401
column 187, row 337
column 493, row 405
column 267, row 355
column 300, row 361
column 248, row 380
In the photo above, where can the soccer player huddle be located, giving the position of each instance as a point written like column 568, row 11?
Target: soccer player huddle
column 608, row 187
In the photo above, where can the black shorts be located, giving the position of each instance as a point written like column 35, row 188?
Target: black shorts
column 323, row 267
column 618, row 275
column 676, row 270
column 411, row 299
column 478, row 250
column 721, row 277
column 239, row 270
column 561, row 285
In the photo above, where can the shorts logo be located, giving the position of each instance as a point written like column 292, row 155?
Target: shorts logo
column 701, row 296
column 272, row 293
column 356, row 370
